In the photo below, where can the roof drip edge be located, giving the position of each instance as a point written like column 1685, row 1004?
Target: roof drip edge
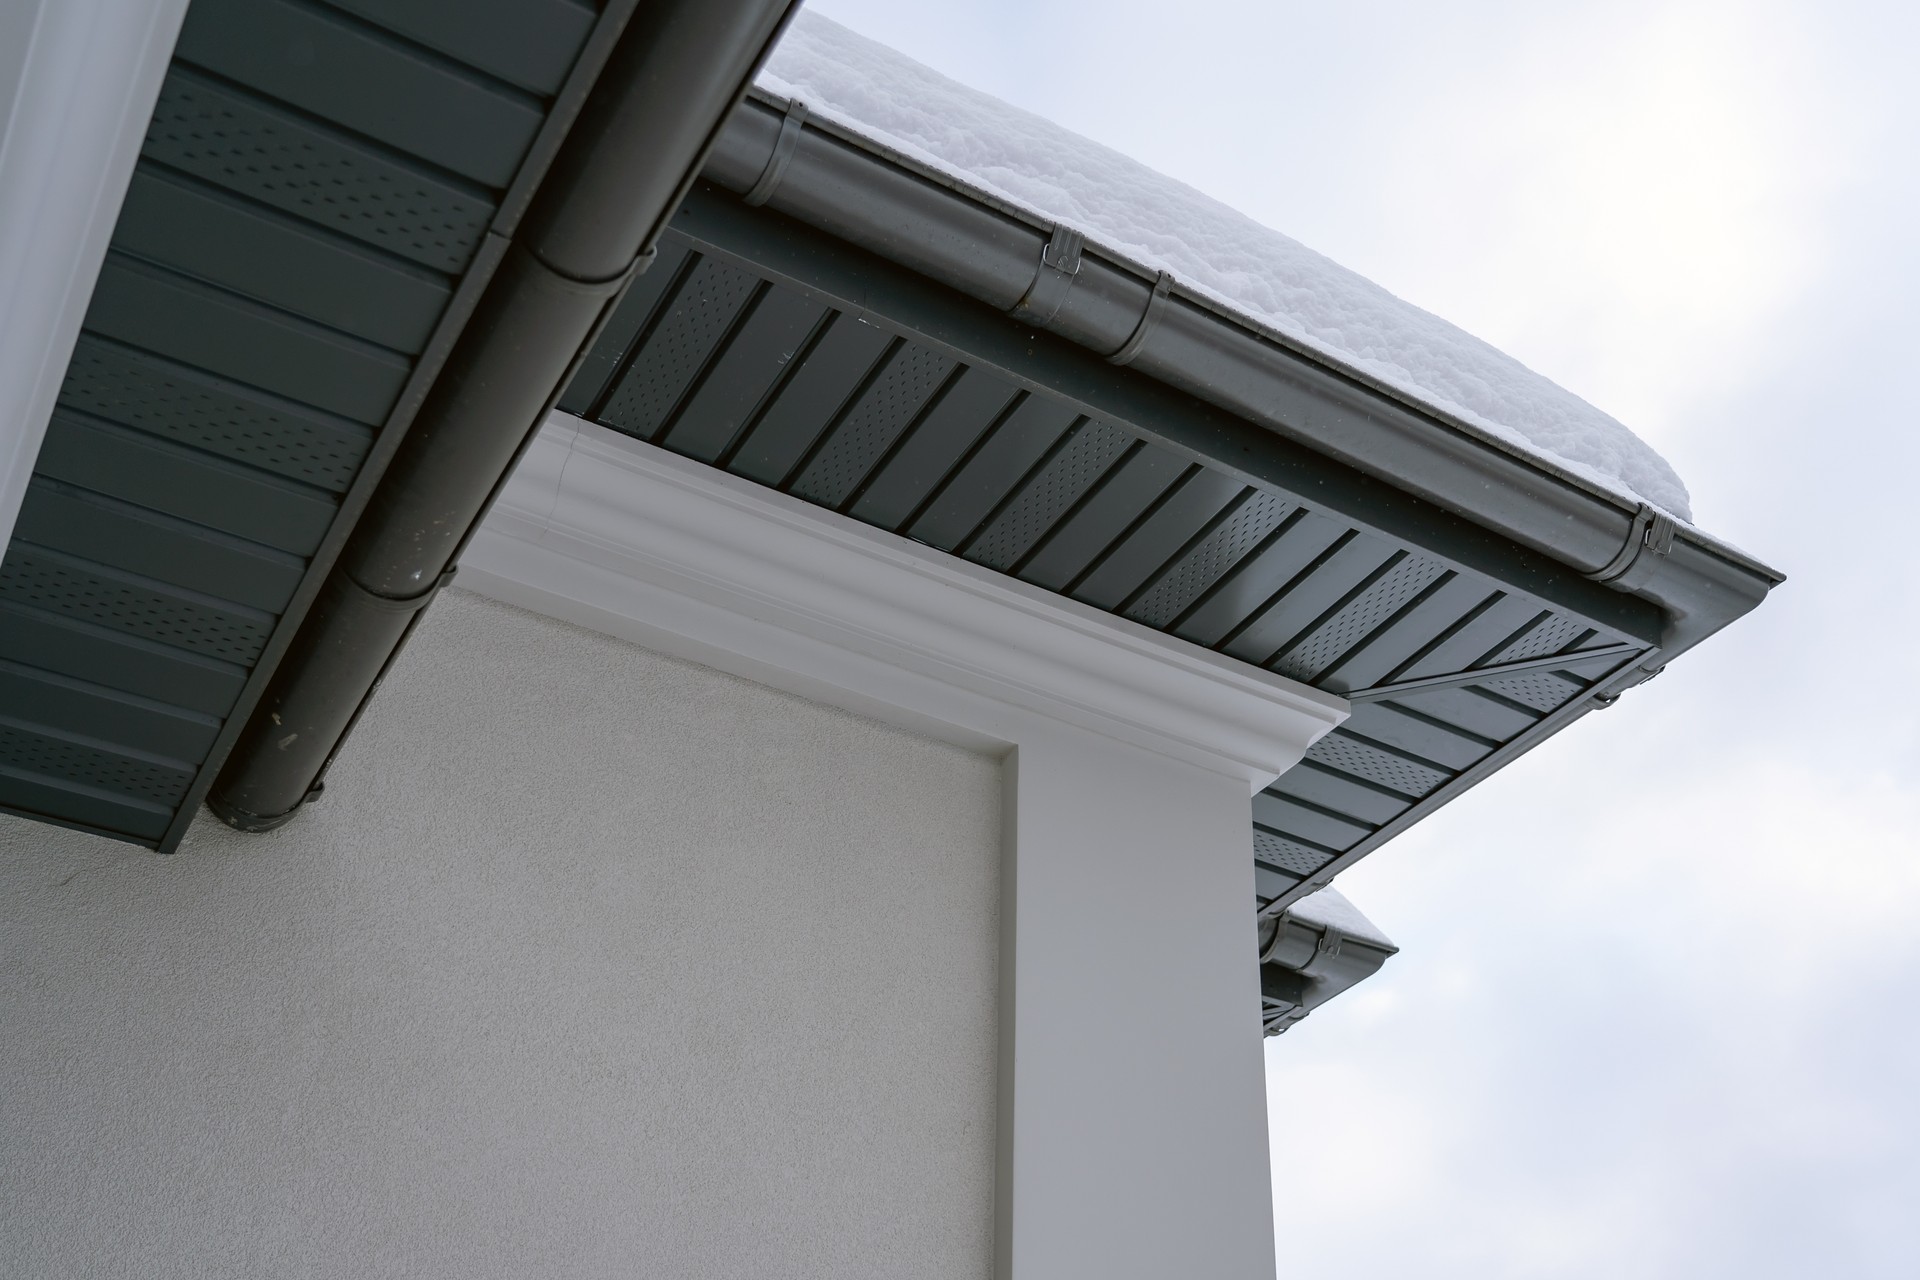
column 888, row 204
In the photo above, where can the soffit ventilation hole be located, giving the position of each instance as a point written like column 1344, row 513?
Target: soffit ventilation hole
column 1278, row 851
column 53, row 757
column 1540, row 690
column 118, row 386
column 1069, row 474
column 1218, row 552
column 695, row 321
column 1352, row 624
column 873, row 424
column 57, row 588
column 1381, row 768
column 1550, row 636
column 225, row 140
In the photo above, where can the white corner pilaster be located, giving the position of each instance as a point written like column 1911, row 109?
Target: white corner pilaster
column 1133, row 1123
column 1132, row 1116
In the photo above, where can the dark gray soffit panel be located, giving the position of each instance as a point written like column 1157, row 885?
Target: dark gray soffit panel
column 769, row 350
column 322, row 192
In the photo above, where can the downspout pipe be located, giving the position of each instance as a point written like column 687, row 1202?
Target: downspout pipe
column 648, row 124
column 830, row 179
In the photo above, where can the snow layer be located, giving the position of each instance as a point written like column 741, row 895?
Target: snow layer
column 1329, row 909
column 1257, row 274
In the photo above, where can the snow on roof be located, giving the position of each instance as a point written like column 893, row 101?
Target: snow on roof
column 1256, row 274
column 1329, row 909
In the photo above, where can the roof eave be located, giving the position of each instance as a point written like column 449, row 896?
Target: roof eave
column 833, row 179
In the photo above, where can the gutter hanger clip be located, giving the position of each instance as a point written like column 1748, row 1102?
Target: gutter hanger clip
column 1149, row 317
column 783, row 148
column 1652, row 530
column 1053, row 279
column 1325, row 951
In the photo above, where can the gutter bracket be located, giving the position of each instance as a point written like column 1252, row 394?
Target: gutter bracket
column 1149, row 317
column 1324, row 951
column 1606, row 697
column 783, row 148
column 1053, row 279
column 1652, row 530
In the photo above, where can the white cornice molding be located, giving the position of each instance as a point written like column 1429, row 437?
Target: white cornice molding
column 615, row 534
column 78, row 80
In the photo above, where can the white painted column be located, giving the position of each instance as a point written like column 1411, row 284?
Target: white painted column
column 1132, row 1103
column 1132, row 1120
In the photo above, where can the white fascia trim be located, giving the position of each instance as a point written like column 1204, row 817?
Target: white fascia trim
column 78, row 80
column 612, row 533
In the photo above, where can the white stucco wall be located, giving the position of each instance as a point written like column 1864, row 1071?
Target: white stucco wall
column 591, row 963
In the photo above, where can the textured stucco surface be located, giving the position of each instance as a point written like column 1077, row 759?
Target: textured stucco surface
column 591, row 963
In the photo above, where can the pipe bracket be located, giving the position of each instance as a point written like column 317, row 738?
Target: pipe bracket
column 783, row 148
column 1652, row 530
column 1325, row 951
column 1053, row 278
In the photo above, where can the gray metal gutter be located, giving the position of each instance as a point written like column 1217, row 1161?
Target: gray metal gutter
column 833, row 180
column 643, row 132
column 1307, row 958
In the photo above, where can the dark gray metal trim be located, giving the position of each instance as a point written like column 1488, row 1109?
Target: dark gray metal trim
column 667, row 88
column 1371, row 581
column 1550, row 662
column 566, row 107
column 1602, row 695
column 352, row 503
column 617, row 202
column 888, row 205
column 861, row 284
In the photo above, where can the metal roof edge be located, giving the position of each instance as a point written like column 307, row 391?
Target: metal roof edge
column 833, row 179
column 865, row 284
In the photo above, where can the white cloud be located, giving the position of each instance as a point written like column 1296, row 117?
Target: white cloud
column 1642, row 997
column 1628, row 197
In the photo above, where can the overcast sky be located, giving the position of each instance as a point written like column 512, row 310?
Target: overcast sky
column 1655, row 1012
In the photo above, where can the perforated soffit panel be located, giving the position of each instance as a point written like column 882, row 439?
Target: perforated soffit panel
column 321, row 194
column 302, row 238
column 765, row 349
